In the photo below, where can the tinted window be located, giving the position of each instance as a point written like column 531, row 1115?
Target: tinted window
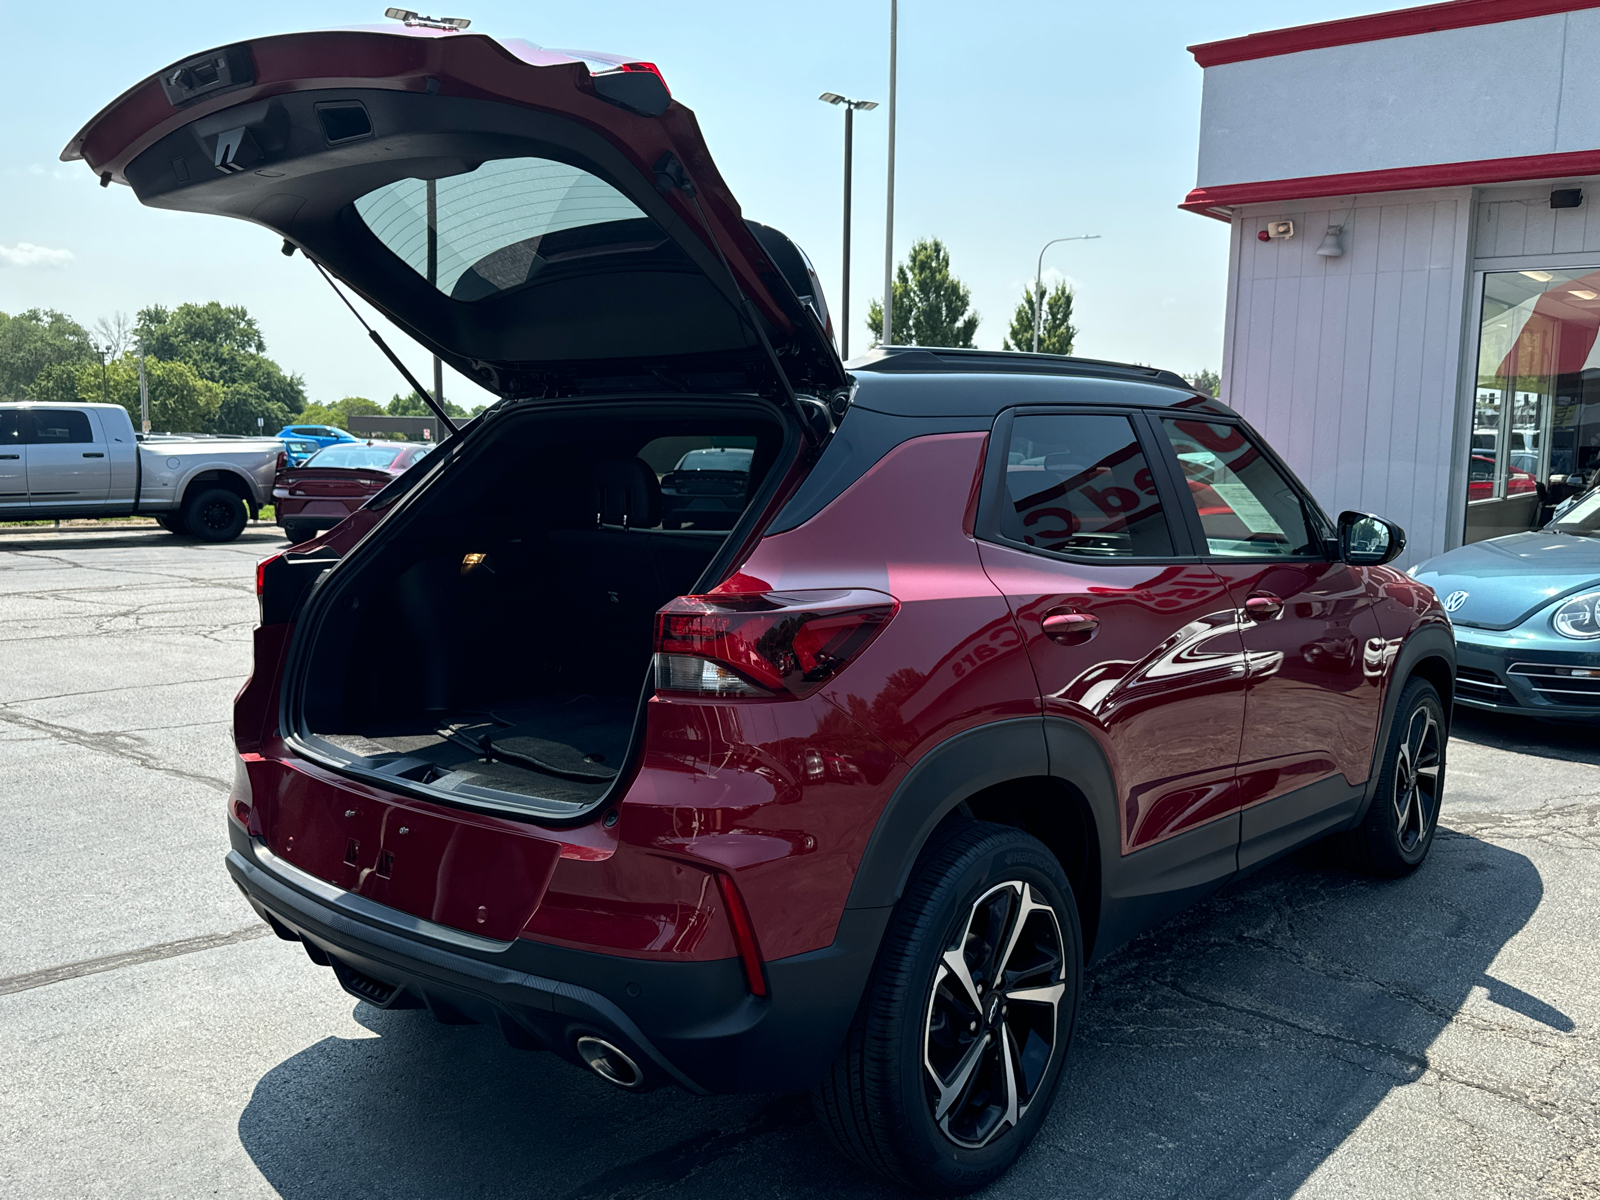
column 716, row 460
column 1079, row 484
column 1247, row 508
column 353, row 454
column 59, row 426
column 491, row 222
column 10, row 427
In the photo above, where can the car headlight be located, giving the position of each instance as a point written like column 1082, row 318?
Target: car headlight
column 1579, row 617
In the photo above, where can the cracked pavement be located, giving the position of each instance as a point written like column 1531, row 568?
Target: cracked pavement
column 1304, row 1032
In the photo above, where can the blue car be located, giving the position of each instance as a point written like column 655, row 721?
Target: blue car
column 322, row 435
column 1526, row 610
column 297, row 449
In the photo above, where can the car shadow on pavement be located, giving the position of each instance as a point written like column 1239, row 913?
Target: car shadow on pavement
column 1227, row 1053
column 1570, row 741
column 48, row 541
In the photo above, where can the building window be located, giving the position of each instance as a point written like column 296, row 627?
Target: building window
column 1536, row 407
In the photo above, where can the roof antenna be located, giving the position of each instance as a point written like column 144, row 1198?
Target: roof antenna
column 444, row 417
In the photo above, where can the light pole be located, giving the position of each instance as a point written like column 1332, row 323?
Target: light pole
column 850, row 107
column 888, row 222
column 1038, row 283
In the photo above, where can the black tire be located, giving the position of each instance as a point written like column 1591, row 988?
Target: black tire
column 215, row 514
column 878, row 1101
column 172, row 523
column 1399, row 826
column 298, row 533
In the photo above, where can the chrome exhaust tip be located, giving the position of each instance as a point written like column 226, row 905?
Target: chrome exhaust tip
column 610, row 1063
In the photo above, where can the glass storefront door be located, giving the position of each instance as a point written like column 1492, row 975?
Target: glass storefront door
column 1536, row 415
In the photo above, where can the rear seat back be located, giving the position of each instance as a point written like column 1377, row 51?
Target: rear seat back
column 619, row 568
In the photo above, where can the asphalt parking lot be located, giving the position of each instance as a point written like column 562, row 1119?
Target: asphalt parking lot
column 1304, row 1033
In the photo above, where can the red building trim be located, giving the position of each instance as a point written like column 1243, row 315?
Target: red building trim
column 1430, row 18
column 1397, row 179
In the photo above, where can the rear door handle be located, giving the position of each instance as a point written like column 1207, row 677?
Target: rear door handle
column 93, row 454
column 1262, row 606
column 1063, row 625
column 10, row 456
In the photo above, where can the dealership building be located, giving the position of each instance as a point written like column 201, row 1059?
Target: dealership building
column 1414, row 270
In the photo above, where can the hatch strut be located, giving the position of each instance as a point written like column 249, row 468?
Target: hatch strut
column 671, row 174
column 444, row 417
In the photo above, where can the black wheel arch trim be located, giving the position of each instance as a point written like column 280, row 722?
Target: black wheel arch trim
column 1130, row 892
column 1424, row 642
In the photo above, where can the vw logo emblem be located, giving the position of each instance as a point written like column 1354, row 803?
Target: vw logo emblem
column 1454, row 601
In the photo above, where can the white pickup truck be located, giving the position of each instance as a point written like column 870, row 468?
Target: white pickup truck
column 84, row 460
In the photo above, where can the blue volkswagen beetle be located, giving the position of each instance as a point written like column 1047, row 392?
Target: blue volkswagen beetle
column 1526, row 610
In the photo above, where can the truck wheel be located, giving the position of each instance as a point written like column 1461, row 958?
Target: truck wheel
column 172, row 523
column 298, row 533
column 952, row 1059
column 1394, row 838
column 215, row 515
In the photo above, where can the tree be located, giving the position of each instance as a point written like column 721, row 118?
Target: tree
column 1056, row 332
column 930, row 304
column 180, row 400
column 338, row 413
column 1207, row 381
column 34, row 340
column 409, row 404
column 113, row 336
column 223, row 343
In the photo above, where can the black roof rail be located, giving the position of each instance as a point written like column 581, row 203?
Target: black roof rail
column 920, row 359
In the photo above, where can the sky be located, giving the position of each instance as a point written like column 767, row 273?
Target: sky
column 1017, row 123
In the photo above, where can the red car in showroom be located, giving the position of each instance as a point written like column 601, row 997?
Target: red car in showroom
column 327, row 487
column 1006, row 658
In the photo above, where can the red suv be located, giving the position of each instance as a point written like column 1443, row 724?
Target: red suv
column 1005, row 658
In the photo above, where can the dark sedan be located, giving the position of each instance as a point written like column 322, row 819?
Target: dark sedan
column 335, row 481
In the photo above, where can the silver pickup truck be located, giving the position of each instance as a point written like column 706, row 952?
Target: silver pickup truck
column 84, row 460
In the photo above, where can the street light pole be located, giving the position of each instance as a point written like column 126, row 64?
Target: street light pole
column 1038, row 283
column 850, row 107
column 888, row 223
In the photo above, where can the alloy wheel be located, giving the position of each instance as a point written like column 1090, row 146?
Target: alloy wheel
column 1416, row 780
column 991, row 1025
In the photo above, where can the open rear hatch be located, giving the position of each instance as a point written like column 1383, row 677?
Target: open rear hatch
column 552, row 225
column 547, row 223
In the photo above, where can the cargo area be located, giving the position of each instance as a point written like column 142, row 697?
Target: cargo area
column 492, row 642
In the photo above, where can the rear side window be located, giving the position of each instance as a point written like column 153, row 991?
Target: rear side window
column 491, row 224
column 1079, row 484
column 56, row 427
column 1247, row 508
column 10, row 428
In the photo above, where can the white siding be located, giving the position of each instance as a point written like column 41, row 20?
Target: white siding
column 1349, row 365
column 1506, row 90
column 1518, row 222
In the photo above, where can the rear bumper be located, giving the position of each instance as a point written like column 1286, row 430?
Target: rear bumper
column 694, row 1024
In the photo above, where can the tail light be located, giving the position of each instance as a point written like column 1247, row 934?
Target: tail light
column 765, row 644
column 283, row 460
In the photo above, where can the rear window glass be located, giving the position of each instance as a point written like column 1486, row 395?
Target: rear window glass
column 716, row 460
column 490, row 222
column 353, row 454
column 59, row 426
column 1079, row 484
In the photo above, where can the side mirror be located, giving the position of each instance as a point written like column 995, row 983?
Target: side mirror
column 1369, row 541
